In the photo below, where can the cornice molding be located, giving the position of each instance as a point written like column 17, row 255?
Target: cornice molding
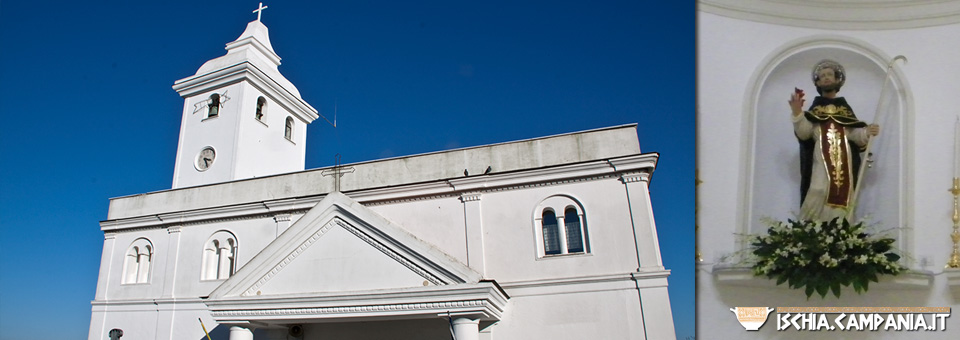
column 844, row 15
column 247, row 71
column 597, row 283
column 635, row 177
column 470, row 197
column 259, row 46
column 641, row 165
column 483, row 300
column 373, row 308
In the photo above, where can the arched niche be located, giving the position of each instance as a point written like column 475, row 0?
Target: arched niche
column 771, row 170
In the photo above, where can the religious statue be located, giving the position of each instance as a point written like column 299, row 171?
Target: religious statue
column 831, row 141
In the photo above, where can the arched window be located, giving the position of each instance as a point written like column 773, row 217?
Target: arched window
column 288, row 129
column 213, row 107
column 556, row 238
column 551, row 233
column 219, row 256
column 261, row 108
column 136, row 263
column 571, row 223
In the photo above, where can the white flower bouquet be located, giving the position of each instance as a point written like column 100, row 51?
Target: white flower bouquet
column 822, row 256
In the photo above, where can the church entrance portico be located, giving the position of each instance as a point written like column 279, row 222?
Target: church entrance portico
column 391, row 278
column 420, row 313
column 436, row 328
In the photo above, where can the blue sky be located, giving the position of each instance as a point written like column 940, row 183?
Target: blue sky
column 90, row 114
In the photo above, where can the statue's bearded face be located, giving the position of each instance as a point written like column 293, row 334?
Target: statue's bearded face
column 827, row 80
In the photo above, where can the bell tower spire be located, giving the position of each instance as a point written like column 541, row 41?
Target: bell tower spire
column 241, row 117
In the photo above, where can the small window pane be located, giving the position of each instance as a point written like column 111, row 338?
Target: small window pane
column 214, row 106
column 261, row 102
column 288, row 129
column 551, row 233
column 571, row 221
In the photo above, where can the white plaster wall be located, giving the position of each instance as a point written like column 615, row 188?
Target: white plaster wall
column 730, row 52
column 137, row 322
column 444, row 229
column 112, row 279
column 262, row 148
column 435, row 329
column 340, row 262
column 147, row 320
column 510, row 241
column 252, row 236
column 613, row 314
column 509, row 234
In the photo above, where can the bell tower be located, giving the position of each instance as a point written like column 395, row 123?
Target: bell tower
column 241, row 117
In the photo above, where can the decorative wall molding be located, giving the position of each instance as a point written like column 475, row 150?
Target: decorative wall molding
column 440, row 189
column 470, row 197
column 281, row 218
column 635, row 177
column 625, row 281
column 350, row 309
column 846, row 15
column 389, row 252
column 483, row 300
column 408, row 199
column 289, row 258
column 281, row 93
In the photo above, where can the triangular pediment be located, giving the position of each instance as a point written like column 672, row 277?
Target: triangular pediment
column 341, row 246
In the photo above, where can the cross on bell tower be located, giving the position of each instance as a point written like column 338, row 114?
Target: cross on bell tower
column 259, row 10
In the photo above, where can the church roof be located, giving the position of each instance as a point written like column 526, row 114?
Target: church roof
column 253, row 47
column 588, row 151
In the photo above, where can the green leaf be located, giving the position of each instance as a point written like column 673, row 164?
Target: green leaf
column 809, row 291
column 822, row 289
column 835, row 287
column 781, row 279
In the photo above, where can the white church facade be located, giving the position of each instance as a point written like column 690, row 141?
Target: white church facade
column 752, row 55
column 546, row 238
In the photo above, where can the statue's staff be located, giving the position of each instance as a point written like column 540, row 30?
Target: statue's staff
column 876, row 116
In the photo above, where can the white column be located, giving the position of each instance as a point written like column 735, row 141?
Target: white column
column 130, row 268
column 644, row 226
column 283, row 222
column 143, row 263
column 464, row 329
column 170, row 262
column 210, row 263
column 240, row 333
column 106, row 266
column 224, row 262
column 561, row 231
column 473, row 222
